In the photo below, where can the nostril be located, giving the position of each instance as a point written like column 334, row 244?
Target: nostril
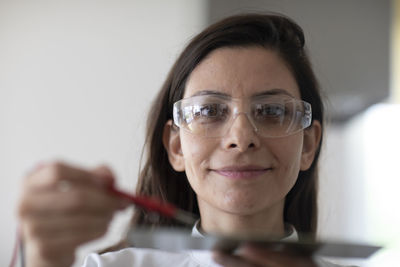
column 251, row 145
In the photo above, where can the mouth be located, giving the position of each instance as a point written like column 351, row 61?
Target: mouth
column 241, row 172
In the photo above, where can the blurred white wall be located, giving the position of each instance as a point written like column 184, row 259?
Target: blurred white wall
column 359, row 182
column 76, row 81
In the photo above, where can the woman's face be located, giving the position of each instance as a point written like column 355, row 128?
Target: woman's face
column 241, row 172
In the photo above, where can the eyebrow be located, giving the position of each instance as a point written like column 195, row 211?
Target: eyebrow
column 211, row 92
column 275, row 91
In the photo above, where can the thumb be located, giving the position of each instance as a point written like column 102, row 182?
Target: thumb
column 104, row 175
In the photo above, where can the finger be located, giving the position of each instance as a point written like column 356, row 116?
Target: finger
column 57, row 247
column 270, row 257
column 50, row 175
column 55, row 227
column 78, row 200
column 105, row 172
column 37, row 254
column 35, row 168
column 231, row 260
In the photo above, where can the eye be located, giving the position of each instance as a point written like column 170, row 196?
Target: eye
column 270, row 110
column 210, row 112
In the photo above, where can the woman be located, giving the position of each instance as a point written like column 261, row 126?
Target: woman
column 233, row 136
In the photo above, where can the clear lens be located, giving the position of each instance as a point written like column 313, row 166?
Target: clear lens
column 212, row 116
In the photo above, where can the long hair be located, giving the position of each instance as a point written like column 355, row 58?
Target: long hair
column 271, row 31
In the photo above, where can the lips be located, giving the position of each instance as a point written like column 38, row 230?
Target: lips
column 241, row 172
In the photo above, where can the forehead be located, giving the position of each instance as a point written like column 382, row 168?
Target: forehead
column 242, row 72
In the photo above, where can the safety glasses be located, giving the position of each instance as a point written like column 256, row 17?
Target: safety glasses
column 214, row 115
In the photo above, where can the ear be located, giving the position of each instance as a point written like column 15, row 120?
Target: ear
column 311, row 139
column 172, row 143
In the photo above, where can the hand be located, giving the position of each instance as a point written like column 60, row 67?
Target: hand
column 253, row 256
column 62, row 207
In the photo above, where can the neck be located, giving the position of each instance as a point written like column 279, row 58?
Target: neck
column 268, row 221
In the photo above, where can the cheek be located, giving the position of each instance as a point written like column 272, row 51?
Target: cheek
column 196, row 152
column 288, row 152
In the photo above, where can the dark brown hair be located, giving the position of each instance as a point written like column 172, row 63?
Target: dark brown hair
column 271, row 31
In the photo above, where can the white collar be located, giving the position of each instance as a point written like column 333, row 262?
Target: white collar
column 291, row 235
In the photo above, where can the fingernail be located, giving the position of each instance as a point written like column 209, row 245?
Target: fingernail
column 105, row 180
column 37, row 167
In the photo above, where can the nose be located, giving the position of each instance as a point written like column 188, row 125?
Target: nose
column 242, row 134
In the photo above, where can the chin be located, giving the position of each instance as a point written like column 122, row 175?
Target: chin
column 240, row 205
column 248, row 203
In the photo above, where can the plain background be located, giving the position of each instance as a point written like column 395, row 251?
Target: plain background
column 76, row 82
